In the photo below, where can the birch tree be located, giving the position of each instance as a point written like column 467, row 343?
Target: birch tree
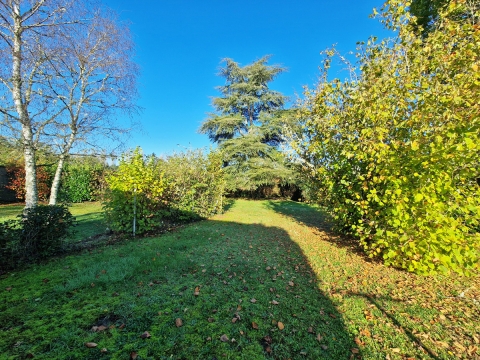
column 94, row 78
column 26, row 31
column 65, row 65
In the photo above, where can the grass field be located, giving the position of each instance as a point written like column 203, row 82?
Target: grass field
column 264, row 280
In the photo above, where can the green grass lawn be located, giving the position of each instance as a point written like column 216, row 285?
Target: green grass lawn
column 264, row 280
column 89, row 216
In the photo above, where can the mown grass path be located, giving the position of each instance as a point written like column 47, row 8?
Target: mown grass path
column 264, row 280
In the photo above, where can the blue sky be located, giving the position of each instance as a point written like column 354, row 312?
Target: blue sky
column 180, row 44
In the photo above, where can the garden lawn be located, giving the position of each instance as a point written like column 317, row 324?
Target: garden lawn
column 89, row 216
column 264, row 280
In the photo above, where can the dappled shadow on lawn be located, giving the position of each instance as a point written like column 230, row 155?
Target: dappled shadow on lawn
column 211, row 290
column 319, row 220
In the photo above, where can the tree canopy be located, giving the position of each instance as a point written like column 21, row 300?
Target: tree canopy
column 246, row 125
column 394, row 152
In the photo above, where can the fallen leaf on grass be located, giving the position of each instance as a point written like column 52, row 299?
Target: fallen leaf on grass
column 178, row 322
column 274, row 302
column 324, row 347
column 197, row 291
column 224, row 338
column 146, row 335
column 253, row 301
column 254, row 325
column 319, row 337
column 359, row 342
column 121, row 326
column 280, row 325
column 310, row 330
column 365, row 332
column 133, row 355
column 234, row 320
column 210, row 320
column 354, row 350
column 291, row 283
column 104, row 350
column 8, row 288
column 91, row 344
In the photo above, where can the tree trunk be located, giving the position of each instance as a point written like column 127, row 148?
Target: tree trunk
column 61, row 161
column 31, row 194
column 56, row 181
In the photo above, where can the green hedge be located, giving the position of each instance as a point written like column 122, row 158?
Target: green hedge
column 182, row 187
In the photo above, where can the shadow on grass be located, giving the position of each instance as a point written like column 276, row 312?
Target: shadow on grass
column 393, row 319
column 319, row 220
column 87, row 226
column 242, row 291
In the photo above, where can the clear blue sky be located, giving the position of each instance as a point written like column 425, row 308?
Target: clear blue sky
column 180, row 44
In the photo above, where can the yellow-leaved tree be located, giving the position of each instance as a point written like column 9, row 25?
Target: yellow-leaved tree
column 394, row 152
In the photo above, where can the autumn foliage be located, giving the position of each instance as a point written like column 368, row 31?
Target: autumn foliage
column 16, row 174
column 394, row 152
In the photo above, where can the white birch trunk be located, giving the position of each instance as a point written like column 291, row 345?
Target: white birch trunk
column 31, row 193
column 58, row 172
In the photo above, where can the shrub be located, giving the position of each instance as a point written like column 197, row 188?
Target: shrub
column 136, row 184
column 82, row 182
column 16, row 174
column 196, row 184
column 37, row 234
column 180, row 188
column 395, row 152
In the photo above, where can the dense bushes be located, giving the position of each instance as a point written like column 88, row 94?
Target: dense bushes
column 82, row 182
column 395, row 152
column 37, row 234
column 16, row 175
column 179, row 188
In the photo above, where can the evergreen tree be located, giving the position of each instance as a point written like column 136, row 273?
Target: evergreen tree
column 247, row 127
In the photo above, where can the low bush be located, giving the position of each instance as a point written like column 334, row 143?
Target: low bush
column 37, row 234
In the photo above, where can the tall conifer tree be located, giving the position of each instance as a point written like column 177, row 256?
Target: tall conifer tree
column 246, row 126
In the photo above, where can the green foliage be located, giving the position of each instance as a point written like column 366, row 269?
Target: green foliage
column 180, row 188
column 82, row 182
column 136, row 185
column 37, row 234
column 395, row 152
column 196, row 183
column 247, row 127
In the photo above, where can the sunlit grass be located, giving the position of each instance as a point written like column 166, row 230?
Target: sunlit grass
column 262, row 263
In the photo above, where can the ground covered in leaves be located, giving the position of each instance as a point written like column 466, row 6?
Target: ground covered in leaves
column 264, row 280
